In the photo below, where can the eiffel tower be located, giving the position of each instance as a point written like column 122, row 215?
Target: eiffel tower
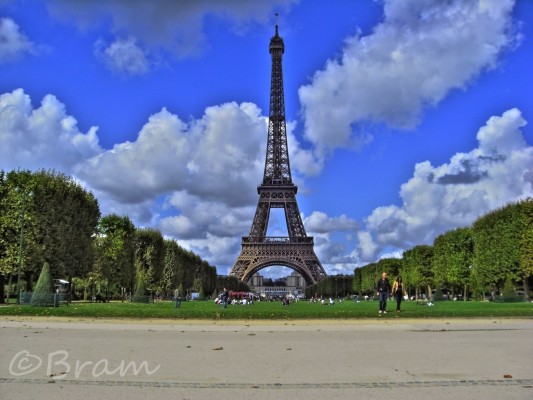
column 277, row 191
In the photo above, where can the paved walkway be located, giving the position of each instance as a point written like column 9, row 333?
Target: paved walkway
column 370, row 359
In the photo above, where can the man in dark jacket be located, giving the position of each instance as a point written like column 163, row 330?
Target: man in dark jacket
column 383, row 288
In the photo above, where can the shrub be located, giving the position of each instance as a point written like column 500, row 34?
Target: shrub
column 43, row 295
column 438, row 296
column 508, row 293
column 141, row 293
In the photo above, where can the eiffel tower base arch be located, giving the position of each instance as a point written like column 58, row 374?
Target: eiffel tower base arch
column 296, row 253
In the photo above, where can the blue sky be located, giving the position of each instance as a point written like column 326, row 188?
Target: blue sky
column 405, row 118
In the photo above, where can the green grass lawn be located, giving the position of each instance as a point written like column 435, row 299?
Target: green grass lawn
column 275, row 311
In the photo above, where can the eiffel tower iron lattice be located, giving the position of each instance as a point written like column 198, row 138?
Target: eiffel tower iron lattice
column 277, row 190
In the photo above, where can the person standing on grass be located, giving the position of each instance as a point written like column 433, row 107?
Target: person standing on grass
column 383, row 289
column 398, row 291
column 225, row 297
column 177, row 297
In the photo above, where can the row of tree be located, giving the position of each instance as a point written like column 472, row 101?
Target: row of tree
column 475, row 260
column 127, row 257
column 47, row 217
column 334, row 286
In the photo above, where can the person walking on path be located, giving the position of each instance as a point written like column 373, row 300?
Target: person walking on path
column 398, row 291
column 383, row 288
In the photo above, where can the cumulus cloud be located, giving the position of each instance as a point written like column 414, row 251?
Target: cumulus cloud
column 123, row 56
column 176, row 26
column 13, row 43
column 212, row 157
column 45, row 137
column 193, row 180
column 436, row 199
column 320, row 222
column 421, row 51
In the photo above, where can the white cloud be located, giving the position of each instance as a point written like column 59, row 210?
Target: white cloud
column 421, row 51
column 13, row 43
column 319, row 222
column 45, row 137
column 436, row 199
column 367, row 248
column 195, row 181
column 213, row 157
column 173, row 25
column 123, row 56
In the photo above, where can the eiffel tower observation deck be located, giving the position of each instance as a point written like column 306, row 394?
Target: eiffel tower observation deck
column 277, row 190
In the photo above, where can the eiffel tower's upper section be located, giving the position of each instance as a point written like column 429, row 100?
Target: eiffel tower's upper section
column 277, row 167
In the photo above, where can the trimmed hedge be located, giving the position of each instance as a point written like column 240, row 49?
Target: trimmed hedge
column 43, row 295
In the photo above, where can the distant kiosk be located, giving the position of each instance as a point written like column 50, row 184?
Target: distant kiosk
column 277, row 190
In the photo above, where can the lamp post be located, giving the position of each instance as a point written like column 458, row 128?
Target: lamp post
column 21, row 246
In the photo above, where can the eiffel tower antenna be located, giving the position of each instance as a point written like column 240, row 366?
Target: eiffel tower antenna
column 277, row 191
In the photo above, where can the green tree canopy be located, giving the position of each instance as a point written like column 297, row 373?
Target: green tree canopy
column 416, row 267
column 502, row 245
column 453, row 257
column 59, row 218
column 149, row 256
column 115, row 251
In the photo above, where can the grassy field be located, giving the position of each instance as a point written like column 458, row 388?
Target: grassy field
column 275, row 311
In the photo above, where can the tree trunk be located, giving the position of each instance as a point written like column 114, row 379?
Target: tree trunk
column 9, row 285
column 464, row 294
column 2, row 291
column 430, row 293
column 526, row 289
column 70, row 288
column 29, row 280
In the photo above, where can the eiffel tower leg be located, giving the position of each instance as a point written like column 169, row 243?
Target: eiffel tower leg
column 239, row 268
column 260, row 223
column 294, row 220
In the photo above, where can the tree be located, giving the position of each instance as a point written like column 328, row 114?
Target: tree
column 149, row 256
column 141, row 293
column 416, row 268
column 17, row 208
column 391, row 266
column 59, row 219
column 186, row 261
column 369, row 277
column 508, row 293
column 170, row 270
column 502, row 245
column 43, row 295
column 231, row 283
column 526, row 244
column 356, row 281
column 115, row 252
column 3, row 195
column 452, row 258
